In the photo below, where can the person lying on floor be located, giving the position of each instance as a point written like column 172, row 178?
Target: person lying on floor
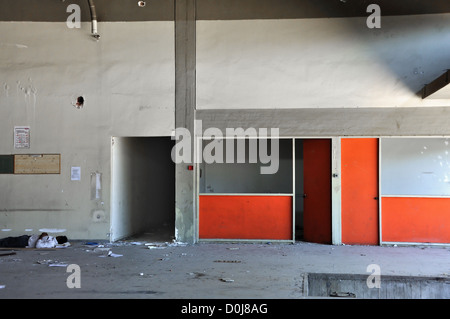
column 34, row 241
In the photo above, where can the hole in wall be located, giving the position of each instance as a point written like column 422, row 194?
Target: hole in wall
column 80, row 102
column 98, row 216
column 77, row 101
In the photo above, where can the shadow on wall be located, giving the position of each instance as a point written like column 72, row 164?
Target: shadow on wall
column 411, row 48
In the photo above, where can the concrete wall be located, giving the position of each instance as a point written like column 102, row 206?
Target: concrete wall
column 127, row 81
column 307, row 74
column 319, row 63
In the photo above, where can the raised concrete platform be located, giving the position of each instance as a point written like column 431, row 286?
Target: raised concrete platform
column 376, row 287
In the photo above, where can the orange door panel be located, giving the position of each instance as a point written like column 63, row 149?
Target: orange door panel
column 359, row 191
column 317, row 189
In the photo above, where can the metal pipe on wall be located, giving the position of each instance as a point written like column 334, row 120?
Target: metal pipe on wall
column 93, row 19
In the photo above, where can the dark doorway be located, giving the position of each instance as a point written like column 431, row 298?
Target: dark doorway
column 143, row 188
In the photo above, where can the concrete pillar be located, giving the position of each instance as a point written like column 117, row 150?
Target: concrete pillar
column 185, row 208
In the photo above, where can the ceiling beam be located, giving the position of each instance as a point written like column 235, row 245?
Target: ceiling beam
column 163, row 10
column 438, row 88
column 308, row 9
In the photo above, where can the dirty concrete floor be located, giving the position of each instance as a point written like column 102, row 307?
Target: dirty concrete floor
column 202, row 271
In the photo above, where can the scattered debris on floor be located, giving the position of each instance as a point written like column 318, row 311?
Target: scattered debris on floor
column 7, row 254
column 51, row 263
column 101, row 249
column 197, row 274
column 111, row 254
column 65, row 245
column 58, row 265
column 136, row 243
column 227, row 279
column 156, row 246
column 343, row 294
column 164, row 245
column 91, row 244
column 163, row 259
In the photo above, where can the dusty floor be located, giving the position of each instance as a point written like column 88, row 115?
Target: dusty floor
column 142, row 268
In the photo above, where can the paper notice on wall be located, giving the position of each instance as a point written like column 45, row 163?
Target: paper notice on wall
column 21, row 137
column 75, row 173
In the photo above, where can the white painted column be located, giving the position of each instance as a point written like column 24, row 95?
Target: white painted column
column 336, row 238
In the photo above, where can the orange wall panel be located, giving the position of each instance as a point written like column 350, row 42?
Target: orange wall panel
column 245, row 217
column 419, row 220
column 359, row 182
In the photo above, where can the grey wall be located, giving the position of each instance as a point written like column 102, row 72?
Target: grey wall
column 127, row 80
column 237, row 64
column 320, row 63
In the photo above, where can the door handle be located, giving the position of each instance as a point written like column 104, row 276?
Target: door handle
column 376, row 198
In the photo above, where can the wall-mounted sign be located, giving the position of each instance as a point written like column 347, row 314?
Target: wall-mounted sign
column 75, row 173
column 37, row 164
column 21, row 137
